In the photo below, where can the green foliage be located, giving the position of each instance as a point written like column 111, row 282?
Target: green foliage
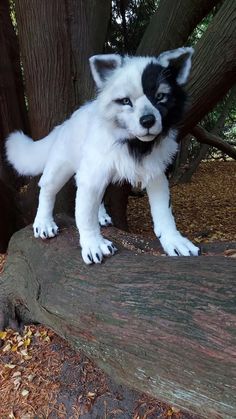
column 129, row 20
column 200, row 30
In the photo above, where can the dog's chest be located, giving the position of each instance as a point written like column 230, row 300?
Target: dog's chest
column 150, row 166
column 135, row 171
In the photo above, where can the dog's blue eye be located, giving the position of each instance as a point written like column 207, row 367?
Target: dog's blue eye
column 124, row 101
column 160, row 96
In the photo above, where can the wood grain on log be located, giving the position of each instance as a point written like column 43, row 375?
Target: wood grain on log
column 165, row 326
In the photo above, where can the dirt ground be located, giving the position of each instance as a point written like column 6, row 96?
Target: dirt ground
column 205, row 209
column 42, row 377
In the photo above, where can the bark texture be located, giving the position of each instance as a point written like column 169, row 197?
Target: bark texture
column 165, row 326
column 172, row 24
column 87, row 22
column 56, row 38
column 116, row 200
column 45, row 50
column 12, row 103
column 11, row 218
column 214, row 65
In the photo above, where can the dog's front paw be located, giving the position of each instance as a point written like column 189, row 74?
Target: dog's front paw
column 177, row 245
column 93, row 250
column 45, row 228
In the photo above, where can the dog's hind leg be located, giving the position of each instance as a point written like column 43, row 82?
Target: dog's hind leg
column 103, row 217
column 53, row 179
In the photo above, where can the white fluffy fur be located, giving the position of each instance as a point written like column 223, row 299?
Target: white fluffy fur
column 90, row 145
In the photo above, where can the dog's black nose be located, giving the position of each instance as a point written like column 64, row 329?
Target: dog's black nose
column 147, row 121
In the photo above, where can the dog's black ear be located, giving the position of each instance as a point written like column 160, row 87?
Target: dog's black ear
column 180, row 60
column 102, row 67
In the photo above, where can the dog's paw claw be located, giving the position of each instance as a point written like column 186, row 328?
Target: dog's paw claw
column 110, row 249
column 177, row 245
column 94, row 250
column 45, row 229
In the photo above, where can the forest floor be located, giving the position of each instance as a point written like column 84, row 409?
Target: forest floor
column 205, row 209
column 42, row 377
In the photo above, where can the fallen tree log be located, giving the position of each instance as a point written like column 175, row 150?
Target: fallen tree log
column 165, row 326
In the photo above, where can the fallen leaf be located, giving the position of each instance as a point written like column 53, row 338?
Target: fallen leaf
column 11, row 366
column 3, row 335
column 25, row 392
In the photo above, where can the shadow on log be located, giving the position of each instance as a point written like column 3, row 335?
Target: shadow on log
column 165, row 326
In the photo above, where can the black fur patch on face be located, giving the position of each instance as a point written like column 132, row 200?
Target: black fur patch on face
column 172, row 110
column 138, row 149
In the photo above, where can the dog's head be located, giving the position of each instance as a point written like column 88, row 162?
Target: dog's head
column 143, row 95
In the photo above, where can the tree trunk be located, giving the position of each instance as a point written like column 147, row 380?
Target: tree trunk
column 13, row 116
column 172, row 24
column 57, row 75
column 56, row 40
column 13, row 113
column 87, row 22
column 214, row 65
column 11, row 218
column 163, row 325
column 45, row 50
column 116, row 200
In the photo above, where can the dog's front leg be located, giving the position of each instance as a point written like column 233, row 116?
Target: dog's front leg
column 88, row 199
column 173, row 243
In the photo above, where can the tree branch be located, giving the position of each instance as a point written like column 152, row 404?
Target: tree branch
column 213, row 140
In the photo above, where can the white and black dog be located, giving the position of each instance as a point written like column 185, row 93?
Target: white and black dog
column 127, row 133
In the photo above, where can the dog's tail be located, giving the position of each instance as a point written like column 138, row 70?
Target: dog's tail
column 28, row 157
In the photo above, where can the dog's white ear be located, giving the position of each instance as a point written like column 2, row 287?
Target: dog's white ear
column 102, row 67
column 181, row 60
